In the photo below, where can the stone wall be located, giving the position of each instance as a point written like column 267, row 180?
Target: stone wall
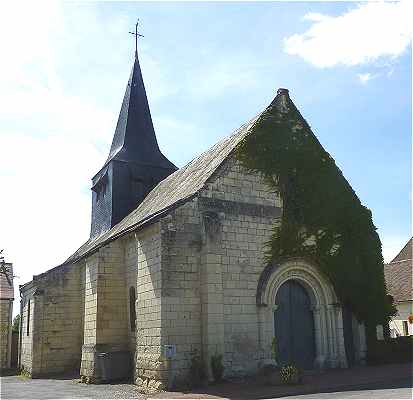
column 131, row 266
column 6, row 310
column 246, row 211
column 52, row 344
column 26, row 338
column 105, row 328
column 212, row 257
column 6, row 313
column 181, row 290
column 149, row 362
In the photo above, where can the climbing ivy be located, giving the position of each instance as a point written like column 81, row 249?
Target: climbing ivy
column 323, row 219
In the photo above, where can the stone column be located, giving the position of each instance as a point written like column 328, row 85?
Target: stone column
column 341, row 349
column 319, row 338
column 361, row 343
column 212, row 293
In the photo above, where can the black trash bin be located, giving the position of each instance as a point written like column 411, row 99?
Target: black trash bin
column 114, row 365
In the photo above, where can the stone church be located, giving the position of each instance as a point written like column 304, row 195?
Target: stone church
column 174, row 268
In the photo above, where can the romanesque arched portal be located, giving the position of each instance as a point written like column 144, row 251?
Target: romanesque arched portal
column 322, row 310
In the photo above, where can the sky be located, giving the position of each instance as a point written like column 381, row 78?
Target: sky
column 208, row 67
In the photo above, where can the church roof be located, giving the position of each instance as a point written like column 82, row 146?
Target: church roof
column 134, row 139
column 178, row 187
column 398, row 274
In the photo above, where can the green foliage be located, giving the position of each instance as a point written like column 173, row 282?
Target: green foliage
column 323, row 220
column 25, row 374
column 390, row 351
column 217, row 367
column 290, row 374
column 16, row 323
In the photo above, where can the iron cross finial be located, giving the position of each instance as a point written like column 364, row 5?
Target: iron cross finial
column 136, row 34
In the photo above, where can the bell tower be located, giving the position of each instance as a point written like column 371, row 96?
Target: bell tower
column 135, row 164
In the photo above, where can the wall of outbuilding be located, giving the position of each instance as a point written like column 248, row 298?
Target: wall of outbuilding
column 52, row 344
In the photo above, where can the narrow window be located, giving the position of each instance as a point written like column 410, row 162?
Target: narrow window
column 132, row 308
column 28, row 319
column 405, row 328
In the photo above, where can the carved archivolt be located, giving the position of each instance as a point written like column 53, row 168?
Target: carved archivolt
column 319, row 288
column 326, row 310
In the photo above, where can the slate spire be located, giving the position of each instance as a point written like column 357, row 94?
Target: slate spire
column 135, row 164
column 134, row 138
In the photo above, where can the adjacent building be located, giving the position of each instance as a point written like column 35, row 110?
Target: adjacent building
column 6, row 313
column 398, row 274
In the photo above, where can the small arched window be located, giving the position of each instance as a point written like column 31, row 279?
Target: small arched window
column 132, row 308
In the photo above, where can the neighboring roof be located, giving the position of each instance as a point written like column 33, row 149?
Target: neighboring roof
column 398, row 277
column 405, row 253
column 398, row 274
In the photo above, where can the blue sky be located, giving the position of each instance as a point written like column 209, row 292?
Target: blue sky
column 208, row 68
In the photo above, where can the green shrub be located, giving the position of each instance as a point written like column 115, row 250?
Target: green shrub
column 16, row 324
column 398, row 350
column 290, row 374
column 217, row 367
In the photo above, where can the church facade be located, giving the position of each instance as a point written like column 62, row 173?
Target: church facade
column 174, row 270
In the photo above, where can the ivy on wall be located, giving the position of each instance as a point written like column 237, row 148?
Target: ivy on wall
column 323, row 219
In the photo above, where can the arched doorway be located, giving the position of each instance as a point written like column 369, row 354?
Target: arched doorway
column 294, row 326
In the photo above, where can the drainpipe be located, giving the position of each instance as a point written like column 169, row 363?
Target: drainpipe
column 19, row 362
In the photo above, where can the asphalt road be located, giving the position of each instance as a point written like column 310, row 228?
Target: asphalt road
column 16, row 387
column 401, row 390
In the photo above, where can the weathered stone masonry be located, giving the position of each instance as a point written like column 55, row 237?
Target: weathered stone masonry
column 182, row 275
column 6, row 313
column 52, row 342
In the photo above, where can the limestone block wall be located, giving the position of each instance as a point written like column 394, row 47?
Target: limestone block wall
column 149, row 361
column 112, row 314
column 247, row 210
column 212, row 257
column 181, row 234
column 6, row 313
column 131, row 266
column 105, row 312
column 53, row 344
column 26, row 338
column 6, row 310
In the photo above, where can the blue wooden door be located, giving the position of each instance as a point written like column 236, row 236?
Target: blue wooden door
column 294, row 326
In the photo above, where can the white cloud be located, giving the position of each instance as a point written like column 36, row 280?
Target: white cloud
column 49, row 141
column 361, row 35
column 364, row 78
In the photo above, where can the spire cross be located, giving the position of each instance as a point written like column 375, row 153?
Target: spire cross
column 136, row 34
